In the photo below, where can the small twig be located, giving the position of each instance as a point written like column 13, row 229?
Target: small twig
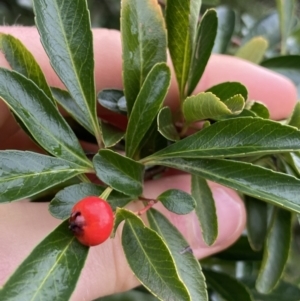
column 151, row 203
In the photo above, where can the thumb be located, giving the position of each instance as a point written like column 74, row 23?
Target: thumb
column 107, row 264
column 106, row 270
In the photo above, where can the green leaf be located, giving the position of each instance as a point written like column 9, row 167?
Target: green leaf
column 228, row 89
column 228, row 287
column 108, row 98
column 240, row 251
column 204, row 43
column 119, row 172
column 66, row 35
column 287, row 66
column 145, row 252
column 132, row 295
column 64, row 98
column 61, row 205
column 235, row 137
column 153, row 141
column 295, row 117
column 188, row 267
column 182, row 19
column 22, row 61
column 235, row 104
column 165, row 124
column 205, row 209
column 24, row 174
column 259, row 109
column 144, row 44
column 254, row 50
column 51, row 271
column 293, row 160
column 249, row 179
column 41, row 117
column 257, row 222
column 226, row 23
column 111, row 135
column 147, row 105
column 206, row 105
column 283, row 291
column 286, row 10
column 177, row 201
column 276, row 251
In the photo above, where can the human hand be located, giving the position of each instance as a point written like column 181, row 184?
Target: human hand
column 24, row 224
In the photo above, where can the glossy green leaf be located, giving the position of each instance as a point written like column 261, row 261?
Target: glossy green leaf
column 165, row 124
column 108, row 98
column 276, row 251
column 152, row 141
column 295, row 117
column 206, row 105
column 119, row 172
column 228, row 287
column 41, row 117
column 146, row 107
column 287, row 66
column 286, row 10
column 254, row 50
column 61, row 205
column 122, row 104
column 205, row 209
column 24, row 174
column 249, row 179
column 257, row 222
column 228, row 89
column 51, row 271
column 283, row 291
column 132, row 295
column 182, row 19
column 235, row 137
column 204, row 43
column 293, row 161
column 226, row 23
column 268, row 27
column 144, row 44
column 64, row 98
column 111, row 135
column 240, row 251
column 188, row 267
column 177, row 201
column 65, row 32
column 22, row 61
column 150, row 251
column 259, row 109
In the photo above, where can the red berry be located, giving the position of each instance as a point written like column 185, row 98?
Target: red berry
column 91, row 220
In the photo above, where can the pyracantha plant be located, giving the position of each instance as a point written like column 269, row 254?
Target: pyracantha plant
column 235, row 144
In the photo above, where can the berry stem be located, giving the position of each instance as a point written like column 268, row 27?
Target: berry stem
column 151, row 203
column 105, row 194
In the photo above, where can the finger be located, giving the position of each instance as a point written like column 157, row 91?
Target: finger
column 106, row 270
column 276, row 91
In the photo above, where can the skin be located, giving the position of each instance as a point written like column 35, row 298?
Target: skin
column 24, row 224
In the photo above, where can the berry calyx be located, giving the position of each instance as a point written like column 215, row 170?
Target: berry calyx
column 91, row 220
